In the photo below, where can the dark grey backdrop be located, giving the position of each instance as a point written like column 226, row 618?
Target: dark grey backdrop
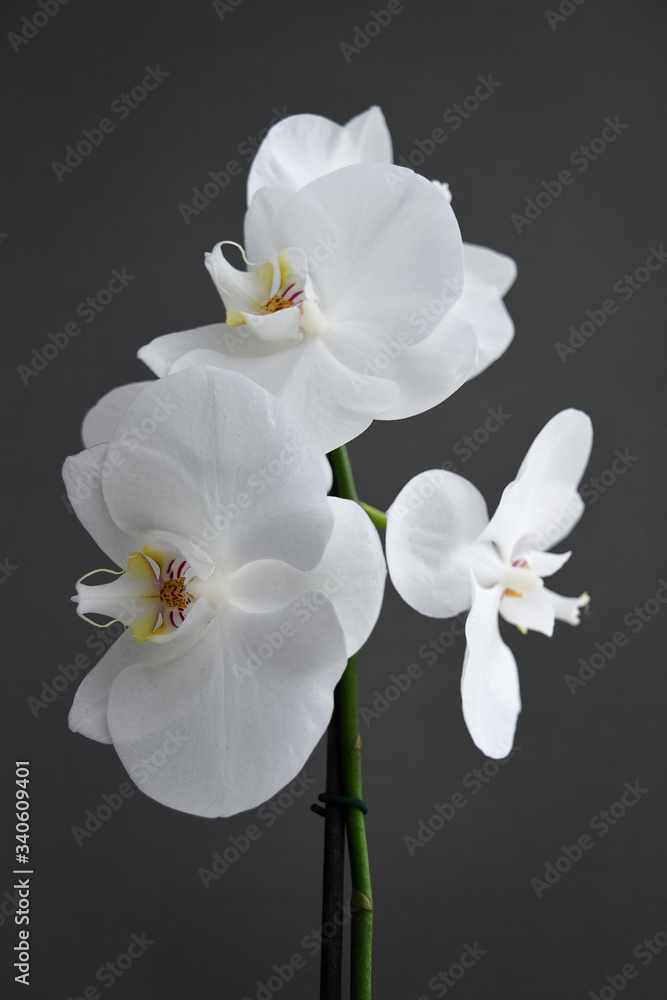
column 228, row 72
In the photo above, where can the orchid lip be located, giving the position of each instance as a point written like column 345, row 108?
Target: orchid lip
column 151, row 597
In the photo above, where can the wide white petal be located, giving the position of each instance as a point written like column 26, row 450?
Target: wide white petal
column 331, row 403
column 224, row 727
column 100, row 423
column 162, row 353
column 383, row 247
column 352, row 572
column 88, row 714
column 541, row 506
column 84, row 475
column 490, row 683
column 351, row 575
column 267, row 585
column 488, row 275
column 221, row 463
column 429, row 372
column 429, row 526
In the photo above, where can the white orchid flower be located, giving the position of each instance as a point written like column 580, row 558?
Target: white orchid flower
column 348, row 277
column 243, row 587
column 445, row 556
column 300, row 148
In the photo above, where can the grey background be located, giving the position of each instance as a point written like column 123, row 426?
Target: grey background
column 119, row 208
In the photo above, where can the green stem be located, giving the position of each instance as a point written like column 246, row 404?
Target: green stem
column 378, row 517
column 344, row 480
column 350, row 746
column 362, row 894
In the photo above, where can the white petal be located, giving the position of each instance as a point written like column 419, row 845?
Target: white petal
column 371, row 136
column 429, row 525
column 351, row 575
column 352, row 572
column 331, row 403
column 267, row 585
column 545, row 563
column 301, row 148
column 161, row 354
column 83, row 475
column 278, row 326
column 533, row 610
column 383, row 247
column 567, row 609
column 226, row 726
column 88, row 714
column 490, row 682
column 241, row 290
column 259, row 223
column 493, row 268
column 219, row 462
column 327, row 472
column 429, row 372
column 101, row 421
column 488, row 275
column 541, row 506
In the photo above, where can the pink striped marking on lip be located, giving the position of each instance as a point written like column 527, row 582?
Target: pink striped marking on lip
column 169, row 569
column 180, row 568
column 171, row 618
column 287, row 290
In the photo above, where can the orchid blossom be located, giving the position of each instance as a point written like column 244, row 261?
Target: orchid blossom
column 445, row 556
column 346, row 280
column 303, row 147
column 243, row 588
